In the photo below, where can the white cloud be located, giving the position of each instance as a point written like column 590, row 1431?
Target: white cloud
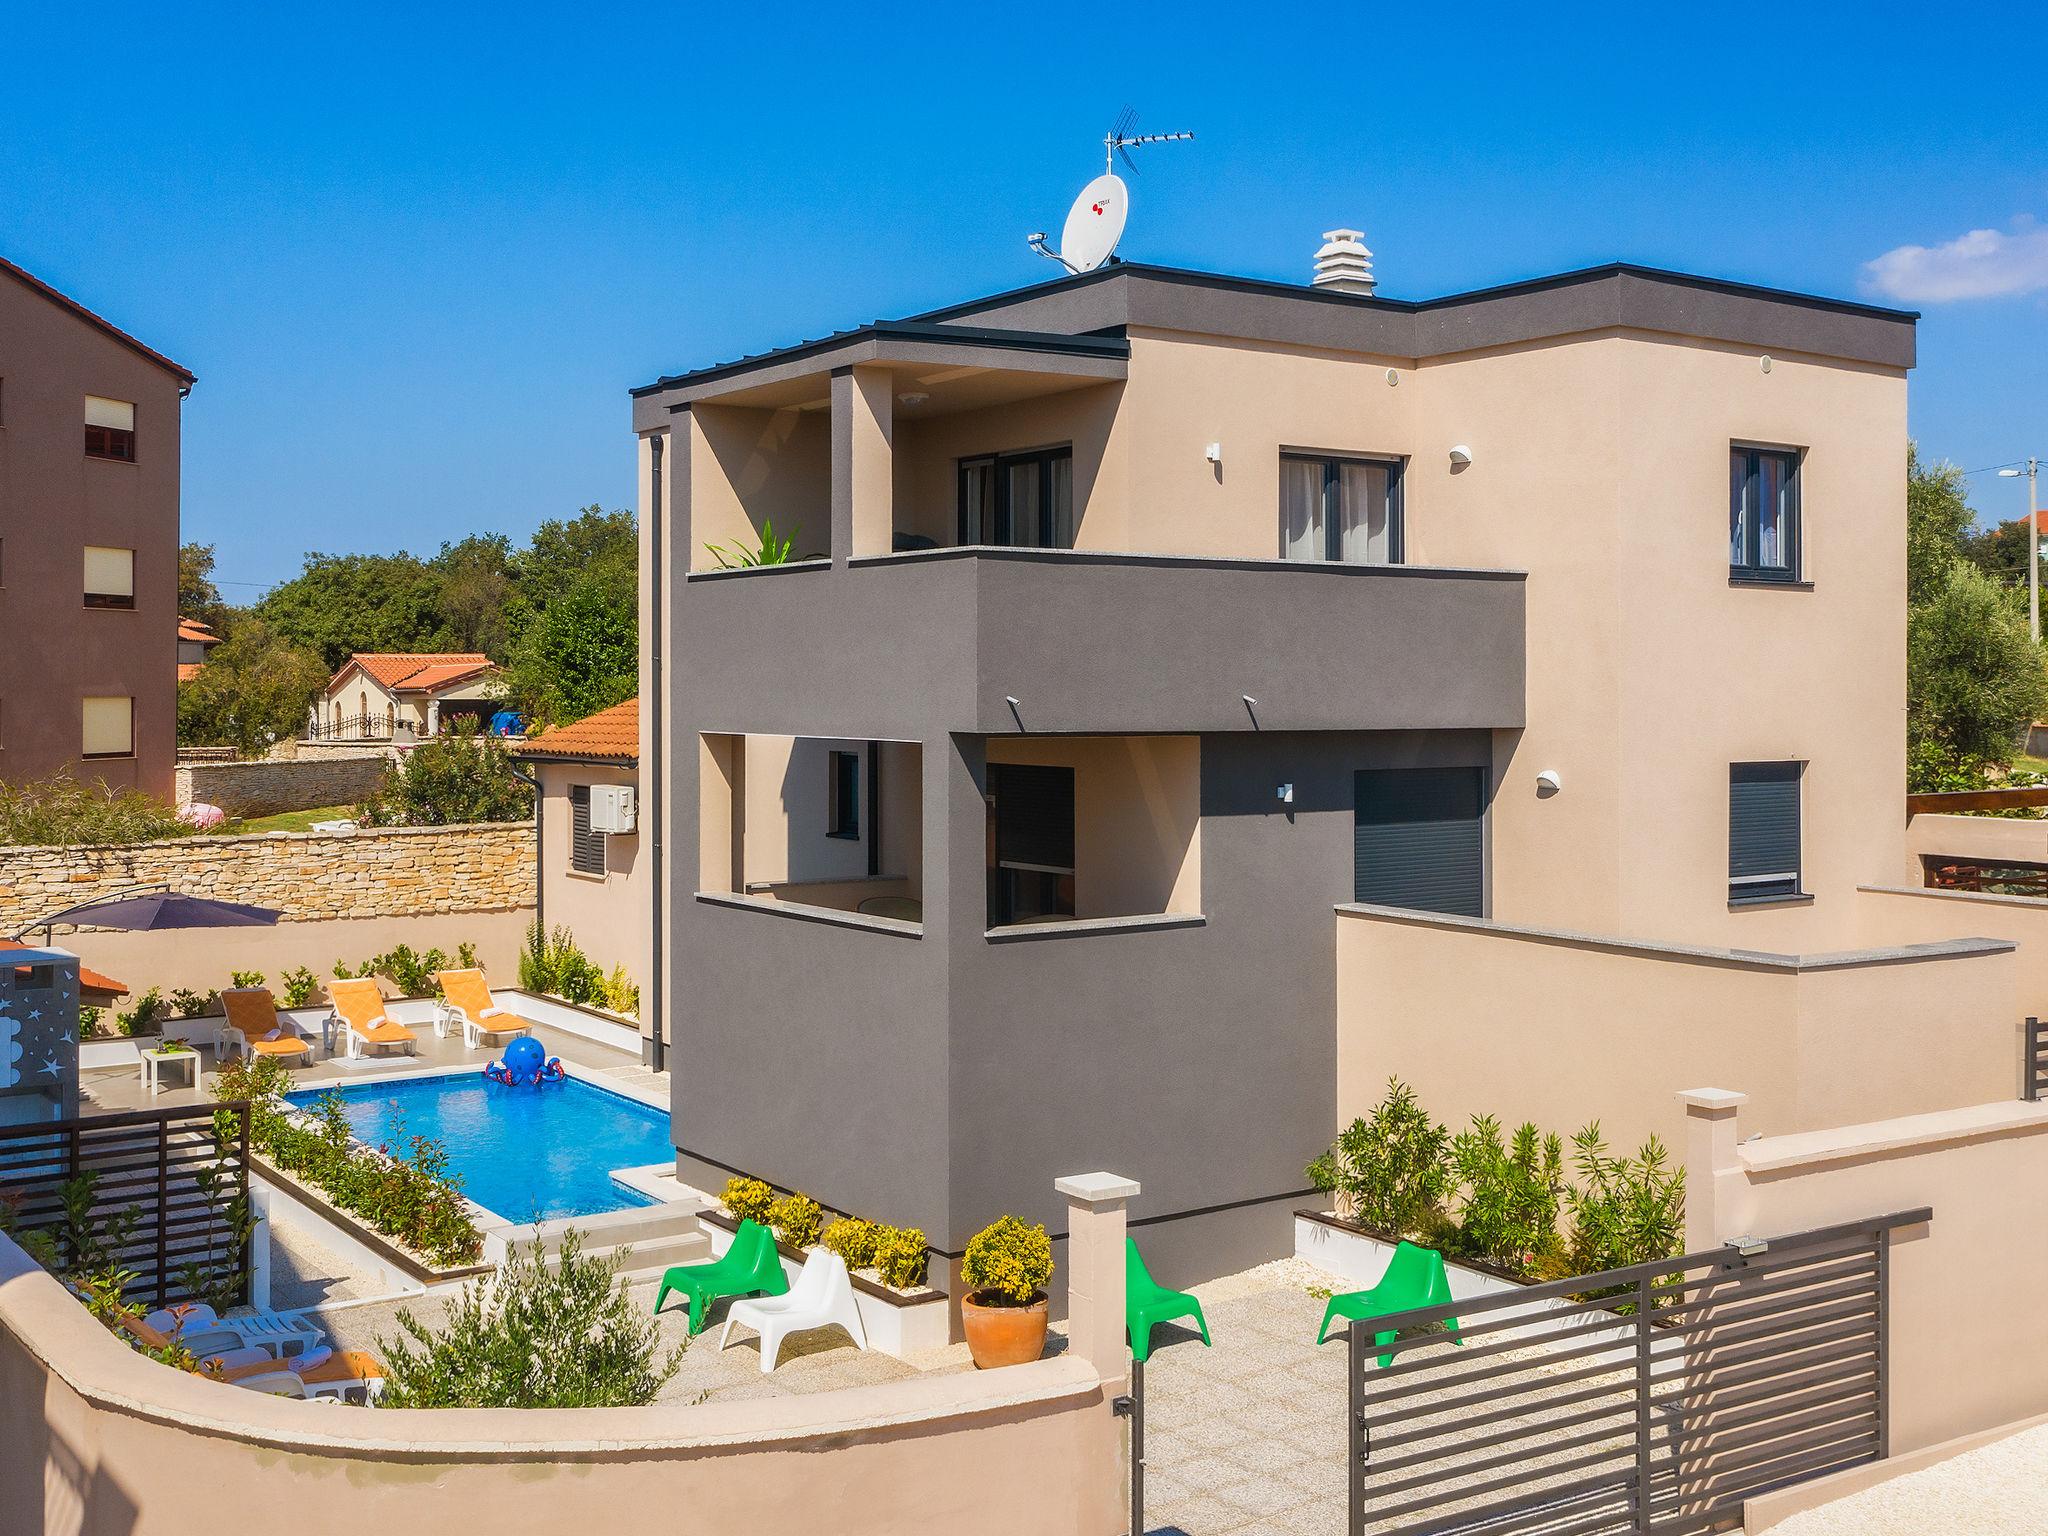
column 1984, row 264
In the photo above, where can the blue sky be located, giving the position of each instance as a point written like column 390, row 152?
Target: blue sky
column 417, row 259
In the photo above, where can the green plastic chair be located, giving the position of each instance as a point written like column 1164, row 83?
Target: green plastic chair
column 1147, row 1303
column 1415, row 1277
column 751, row 1265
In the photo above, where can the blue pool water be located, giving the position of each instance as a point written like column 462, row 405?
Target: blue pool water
column 525, row 1153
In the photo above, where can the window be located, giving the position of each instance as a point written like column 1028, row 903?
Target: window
column 109, row 577
column 1419, row 839
column 1763, row 514
column 1030, row 844
column 586, row 848
column 109, row 429
column 1340, row 509
column 109, row 728
column 1763, row 831
column 842, row 812
column 1022, row 499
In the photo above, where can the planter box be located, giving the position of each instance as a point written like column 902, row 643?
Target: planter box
column 899, row 1323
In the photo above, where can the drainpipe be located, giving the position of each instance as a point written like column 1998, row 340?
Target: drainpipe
column 657, row 1050
column 538, row 884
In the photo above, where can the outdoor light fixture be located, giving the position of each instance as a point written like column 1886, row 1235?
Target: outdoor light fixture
column 1214, row 453
column 913, row 397
column 1548, row 783
column 1460, row 456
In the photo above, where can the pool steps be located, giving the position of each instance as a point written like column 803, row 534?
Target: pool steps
column 658, row 1235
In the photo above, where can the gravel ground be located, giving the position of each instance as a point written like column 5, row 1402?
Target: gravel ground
column 2001, row 1487
column 305, row 1273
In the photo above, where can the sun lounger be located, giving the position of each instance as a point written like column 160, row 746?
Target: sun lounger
column 466, row 1003
column 359, row 1011
column 253, row 1027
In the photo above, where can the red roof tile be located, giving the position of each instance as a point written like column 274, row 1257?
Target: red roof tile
column 187, row 670
column 611, row 735
column 192, row 629
column 400, row 669
column 65, row 301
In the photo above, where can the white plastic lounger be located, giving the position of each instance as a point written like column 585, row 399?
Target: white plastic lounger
column 823, row 1295
column 281, row 1336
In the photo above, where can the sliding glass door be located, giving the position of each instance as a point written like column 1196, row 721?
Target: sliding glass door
column 1022, row 499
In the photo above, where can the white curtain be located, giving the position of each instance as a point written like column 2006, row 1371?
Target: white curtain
column 1362, row 511
column 1301, row 509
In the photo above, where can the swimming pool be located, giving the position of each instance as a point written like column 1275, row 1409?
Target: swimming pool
column 526, row 1154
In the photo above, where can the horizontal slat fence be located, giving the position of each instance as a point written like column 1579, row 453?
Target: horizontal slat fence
column 1650, row 1400
column 149, row 1163
column 2034, row 1070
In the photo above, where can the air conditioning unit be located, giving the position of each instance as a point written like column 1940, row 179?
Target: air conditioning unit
column 612, row 809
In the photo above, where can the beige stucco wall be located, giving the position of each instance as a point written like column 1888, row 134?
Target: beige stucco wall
column 928, row 452
column 1564, row 1030
column 95, row 1440
column 1966, row 1326
column 1137, row 818
column 788, row 802
column 1990, row 838
column 748, row 467
column 1913, row 914
column 607, row 913
column 359, row 693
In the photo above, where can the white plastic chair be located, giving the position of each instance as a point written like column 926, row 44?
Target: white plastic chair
column 823, row 1295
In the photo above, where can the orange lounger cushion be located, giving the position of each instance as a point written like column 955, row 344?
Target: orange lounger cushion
column 344, row 1365
column 283, row 1047
column 386, row 1034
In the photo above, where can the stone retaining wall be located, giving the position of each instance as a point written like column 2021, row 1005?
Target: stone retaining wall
column 392, row 872
column 266, row 787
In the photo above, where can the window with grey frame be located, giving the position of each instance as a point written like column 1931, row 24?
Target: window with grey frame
column 1021, row 499
column 1763, row 831
column 842, row 809
column 1337, row 508
column 1763, row 514
column 586, row 847
column 1030, row 843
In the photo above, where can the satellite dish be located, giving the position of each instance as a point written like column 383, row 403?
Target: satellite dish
column 1094, row 224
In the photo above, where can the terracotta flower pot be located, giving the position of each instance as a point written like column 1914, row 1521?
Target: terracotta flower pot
column 1003, row 1335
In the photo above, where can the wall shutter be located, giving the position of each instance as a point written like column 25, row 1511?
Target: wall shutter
column 586, row 848
column 1034, row 815
column 1420, row 839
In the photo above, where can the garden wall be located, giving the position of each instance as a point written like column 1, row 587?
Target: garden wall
column 1564, row 1028
column 265, row 787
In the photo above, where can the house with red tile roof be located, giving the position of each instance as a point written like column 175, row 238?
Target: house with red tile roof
column 195, row 642
column 593, row 879
column 387, row 695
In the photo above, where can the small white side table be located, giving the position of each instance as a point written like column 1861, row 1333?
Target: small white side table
column 154, row 1063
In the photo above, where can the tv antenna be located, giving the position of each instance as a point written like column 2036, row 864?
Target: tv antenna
column 1096, row 221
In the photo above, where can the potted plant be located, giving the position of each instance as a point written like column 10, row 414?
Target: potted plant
column 1006, row 1268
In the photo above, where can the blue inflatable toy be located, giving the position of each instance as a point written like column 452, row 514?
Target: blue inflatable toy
column 526, row 1063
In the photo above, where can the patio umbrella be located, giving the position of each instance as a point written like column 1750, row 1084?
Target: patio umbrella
column 147, row 910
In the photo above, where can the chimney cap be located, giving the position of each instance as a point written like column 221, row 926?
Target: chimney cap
column 1343, row 264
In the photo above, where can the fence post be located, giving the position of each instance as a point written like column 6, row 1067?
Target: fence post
column 1642, row 1321
column 1095, row 1295
column 242, row 1188
column 163, row 1215
column 1884, row 1342
column 2030, row 1069
column 1357, row 1443
column 1710, row 1135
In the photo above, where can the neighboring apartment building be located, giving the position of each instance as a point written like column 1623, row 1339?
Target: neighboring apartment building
column 89, row 444
column 591, row 875
column 379, row 695
column 1162, row 615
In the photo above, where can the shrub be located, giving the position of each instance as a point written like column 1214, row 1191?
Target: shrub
column 552, row 963
column 1629, row 1210
column 1393, row 1169
column 620, row 993
column 247, row 978
column 301, row 986
column 901, row 1255
column 187, row 1004
column 853, row 1240
column 343, row 971
column 61, row 812
column 797, row 1220
column 148, row 1011
column 748, row 1199
column 1008, row 1261
column 90, row 1021
column 541, row 1333
column 457, row 777
column 1512, row 1193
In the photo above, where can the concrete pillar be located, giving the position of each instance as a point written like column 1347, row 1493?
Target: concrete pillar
column 863, row 462
column 1095, row 1269
column 1711, row 1162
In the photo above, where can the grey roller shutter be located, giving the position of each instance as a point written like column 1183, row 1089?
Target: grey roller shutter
column 1034, row 815
column 1420, row 839
column 1763, row 830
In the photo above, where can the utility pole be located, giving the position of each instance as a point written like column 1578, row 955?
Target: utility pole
column 2032, row 472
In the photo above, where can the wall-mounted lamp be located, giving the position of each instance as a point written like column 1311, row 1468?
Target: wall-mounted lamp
column 1548, row 783
column 912, row 397
column 1214, row 453
column 1460, row 456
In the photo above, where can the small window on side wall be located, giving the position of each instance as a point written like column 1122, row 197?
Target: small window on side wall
column 586, row 848
column 109, row 429
column 842, row 809
column 1763, row 514
column 1763, row 831
column 109, row 577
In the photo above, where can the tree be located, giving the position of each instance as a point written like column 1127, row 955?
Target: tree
column 581, row 654
column 1974, row 678
column 341, row 604
column 478, row 599
column 451, row 779
column 198, row 597
column 254, row 689
column 1938, row 523
column 594, row 545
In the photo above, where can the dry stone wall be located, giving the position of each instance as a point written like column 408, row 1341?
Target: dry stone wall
column 265, row 787
column 388, row 872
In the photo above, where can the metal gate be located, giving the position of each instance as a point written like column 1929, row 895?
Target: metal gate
column 1650, row 1400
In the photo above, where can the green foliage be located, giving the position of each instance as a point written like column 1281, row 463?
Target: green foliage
column 413, row 973
column 853, row 1240
column 748, row 1199
column 619, row 992
column 247, row 978
column 1511, row 1194
column 580, row 655
column 552, row 964
column 1974, row 679
column 301, row 986
column 1626, row 1210
column 457, row 777
column 770, row 551
column 541, row 1333
column 1938, row 521
column 340, row 604
column 187, row 1004
column 797, row 1219
column 198, row 597
column 90, row 1021
column 61, row 812
column 478, row 597
column 901, row 1254
column 255, row 689
column 1393, row 1169
column 405, row 1193
column 1007, row 1262
column 144, row 1017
